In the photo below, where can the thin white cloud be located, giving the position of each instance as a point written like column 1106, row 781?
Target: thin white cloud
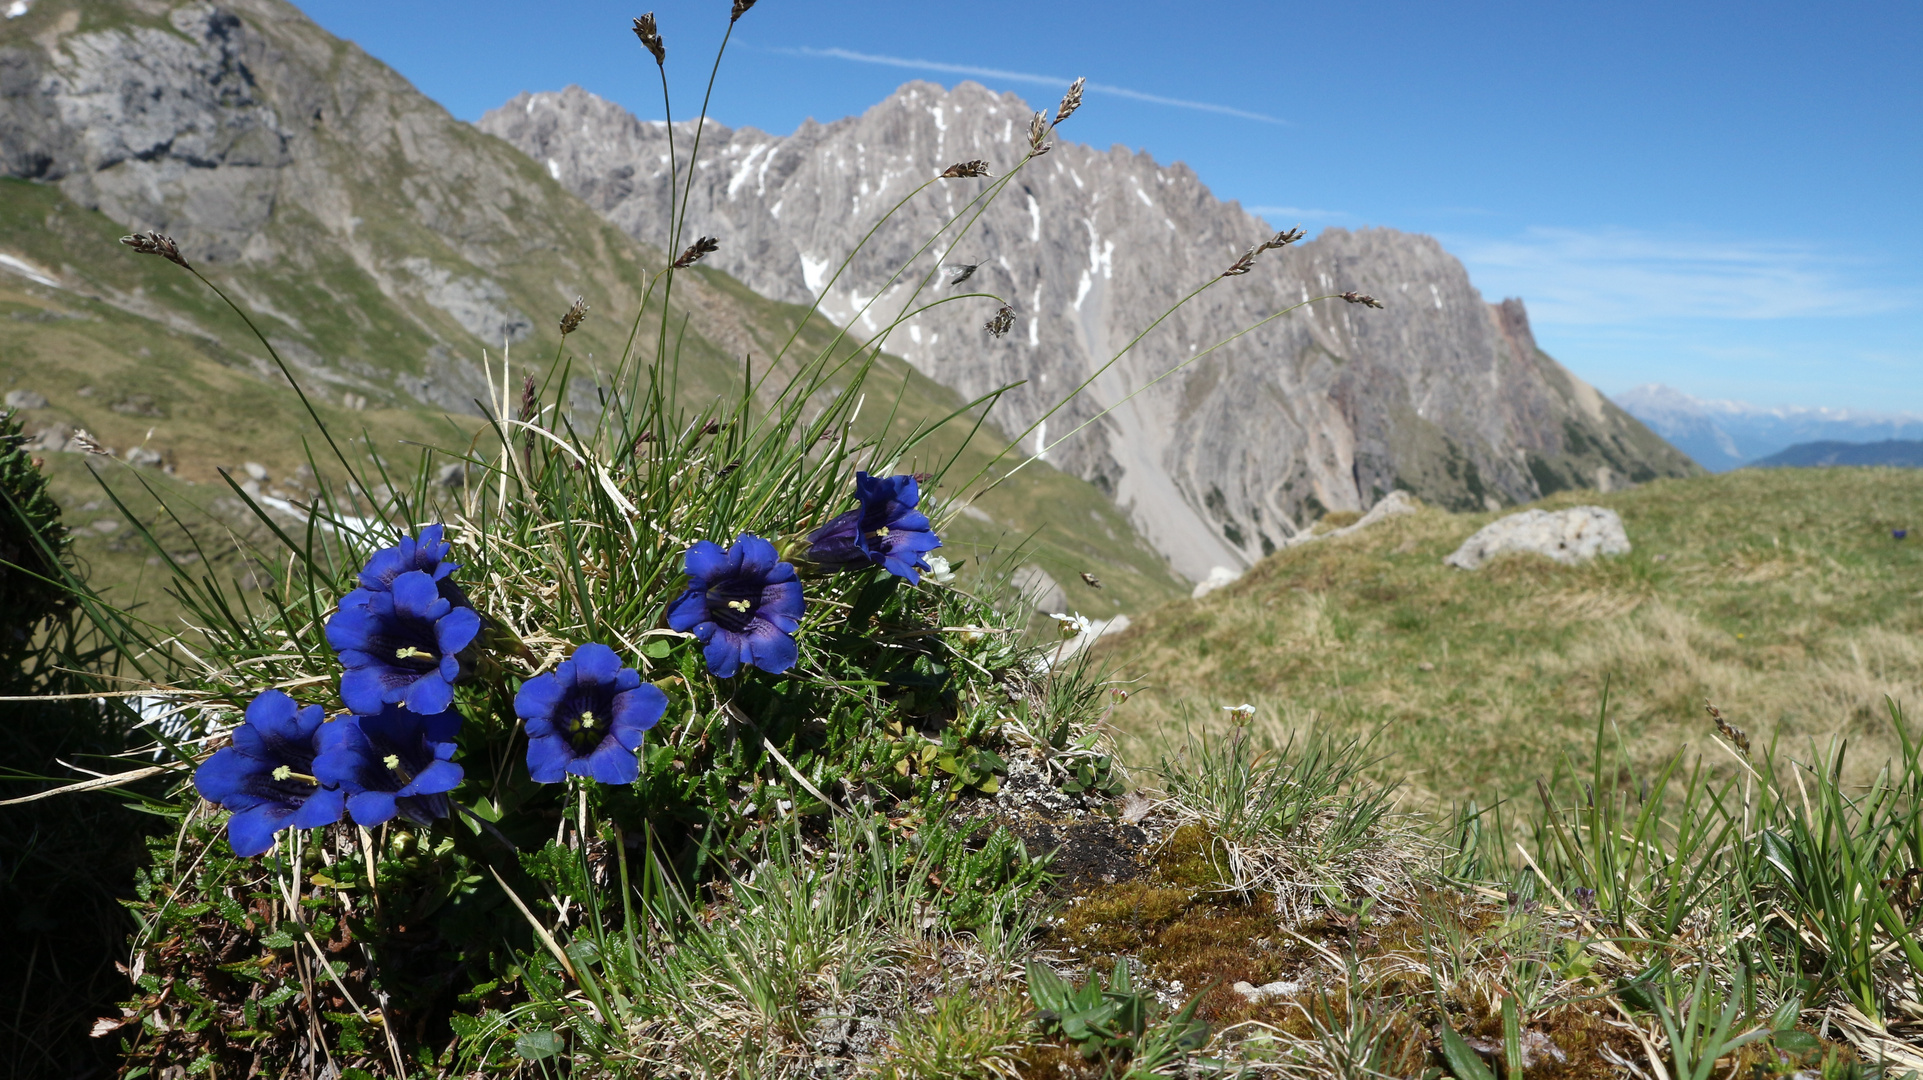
column 1616, row 276
column 1023, row 77
column 1309, row 213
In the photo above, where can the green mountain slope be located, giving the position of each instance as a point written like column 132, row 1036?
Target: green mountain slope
column 381, row 245
column 1780, row 595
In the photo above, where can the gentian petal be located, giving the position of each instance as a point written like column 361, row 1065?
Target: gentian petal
column 834, row 543
column 353, row 628
column 538, row 697
column 689, row 610
column 427, row 695
column 637, row 710
column 595, row 663
column 610, row 763
column 457, row 629
column 705, row 560
column 417, row 597
column 371, row 808
column 723, row 654
column 221, row 776
column 251, row 832
column 436, row 778
column 322, row 808
column 783, row 605
column 758, row 556
column 774, row 651
column 362, row 690
column 547, row 759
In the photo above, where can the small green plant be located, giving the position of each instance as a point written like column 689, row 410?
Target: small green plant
column 967, row 1036
column 1112, row 1023
column 1099, row 776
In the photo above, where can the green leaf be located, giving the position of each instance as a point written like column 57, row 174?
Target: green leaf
column 1463, row 1061
column 1046, row 989
column 655, row 648
column 1796, row 1042
column 539, row 1045
column 279, row 939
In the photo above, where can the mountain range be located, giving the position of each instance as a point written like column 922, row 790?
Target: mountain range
column 384, row 248
column 1722, row 435
column 1326, row 408
column 1903, row 453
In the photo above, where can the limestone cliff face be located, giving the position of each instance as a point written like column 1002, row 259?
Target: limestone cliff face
column 382, row 242
column 1327, row 408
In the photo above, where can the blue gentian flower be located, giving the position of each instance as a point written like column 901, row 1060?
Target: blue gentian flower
column 587, row 717
column 743, row 603
column 267, row 777
column 401, row 647
column 393, row 763
column 426, row 553
column 886, row 530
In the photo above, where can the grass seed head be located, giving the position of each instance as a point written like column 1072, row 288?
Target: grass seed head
column 1002, row 322
column 740, row 8
column 650, row 35
column 153, row 243
column 577, row 311
column 1038, row 135
column 1244, row 264
column 1070, row 101
column 697, row 251
column 527, row 398
column 1361, row 298
column 1282, row 239
column 963, row 169
column 85, row 440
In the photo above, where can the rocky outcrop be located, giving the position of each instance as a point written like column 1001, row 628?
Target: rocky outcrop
column 1329, row 407
column 1567, row 536
column 381, row 242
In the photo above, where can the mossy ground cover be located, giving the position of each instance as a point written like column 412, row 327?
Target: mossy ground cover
column 1780, row 595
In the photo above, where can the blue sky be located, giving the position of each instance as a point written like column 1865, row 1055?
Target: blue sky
column 1722, row 197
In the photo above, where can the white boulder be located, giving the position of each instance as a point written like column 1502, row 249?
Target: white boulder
column 1567, row 536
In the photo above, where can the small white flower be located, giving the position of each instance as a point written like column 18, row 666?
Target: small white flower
column 1072, row 625
column 1244, row 711
column 938, row 571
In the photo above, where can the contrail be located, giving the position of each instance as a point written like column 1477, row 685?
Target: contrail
column 1023, row 77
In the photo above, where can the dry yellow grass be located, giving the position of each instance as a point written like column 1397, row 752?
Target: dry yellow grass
column 1779, row 595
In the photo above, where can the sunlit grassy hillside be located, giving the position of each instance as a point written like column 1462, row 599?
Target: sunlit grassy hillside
column 1781, row 596
column 138, row 353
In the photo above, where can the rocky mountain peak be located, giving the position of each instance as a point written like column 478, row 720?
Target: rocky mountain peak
column 1326, row 408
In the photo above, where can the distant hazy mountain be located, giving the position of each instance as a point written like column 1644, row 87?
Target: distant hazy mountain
column 1904, row 452
column 1328, row 409
column 1722, row 435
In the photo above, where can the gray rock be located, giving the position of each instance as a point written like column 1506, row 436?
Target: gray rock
column 1328, row 408
column 255, row 470
column 452, row 475
column 1394, row 504
column 1277, row 990
column 1567, row 536
column 1218, row 576
column 1039, row 587
column 26, row 399
column 141, row 455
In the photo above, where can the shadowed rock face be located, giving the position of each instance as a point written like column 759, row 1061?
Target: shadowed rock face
column 1327, row 408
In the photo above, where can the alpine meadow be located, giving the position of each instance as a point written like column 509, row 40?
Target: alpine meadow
column 581, row 595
